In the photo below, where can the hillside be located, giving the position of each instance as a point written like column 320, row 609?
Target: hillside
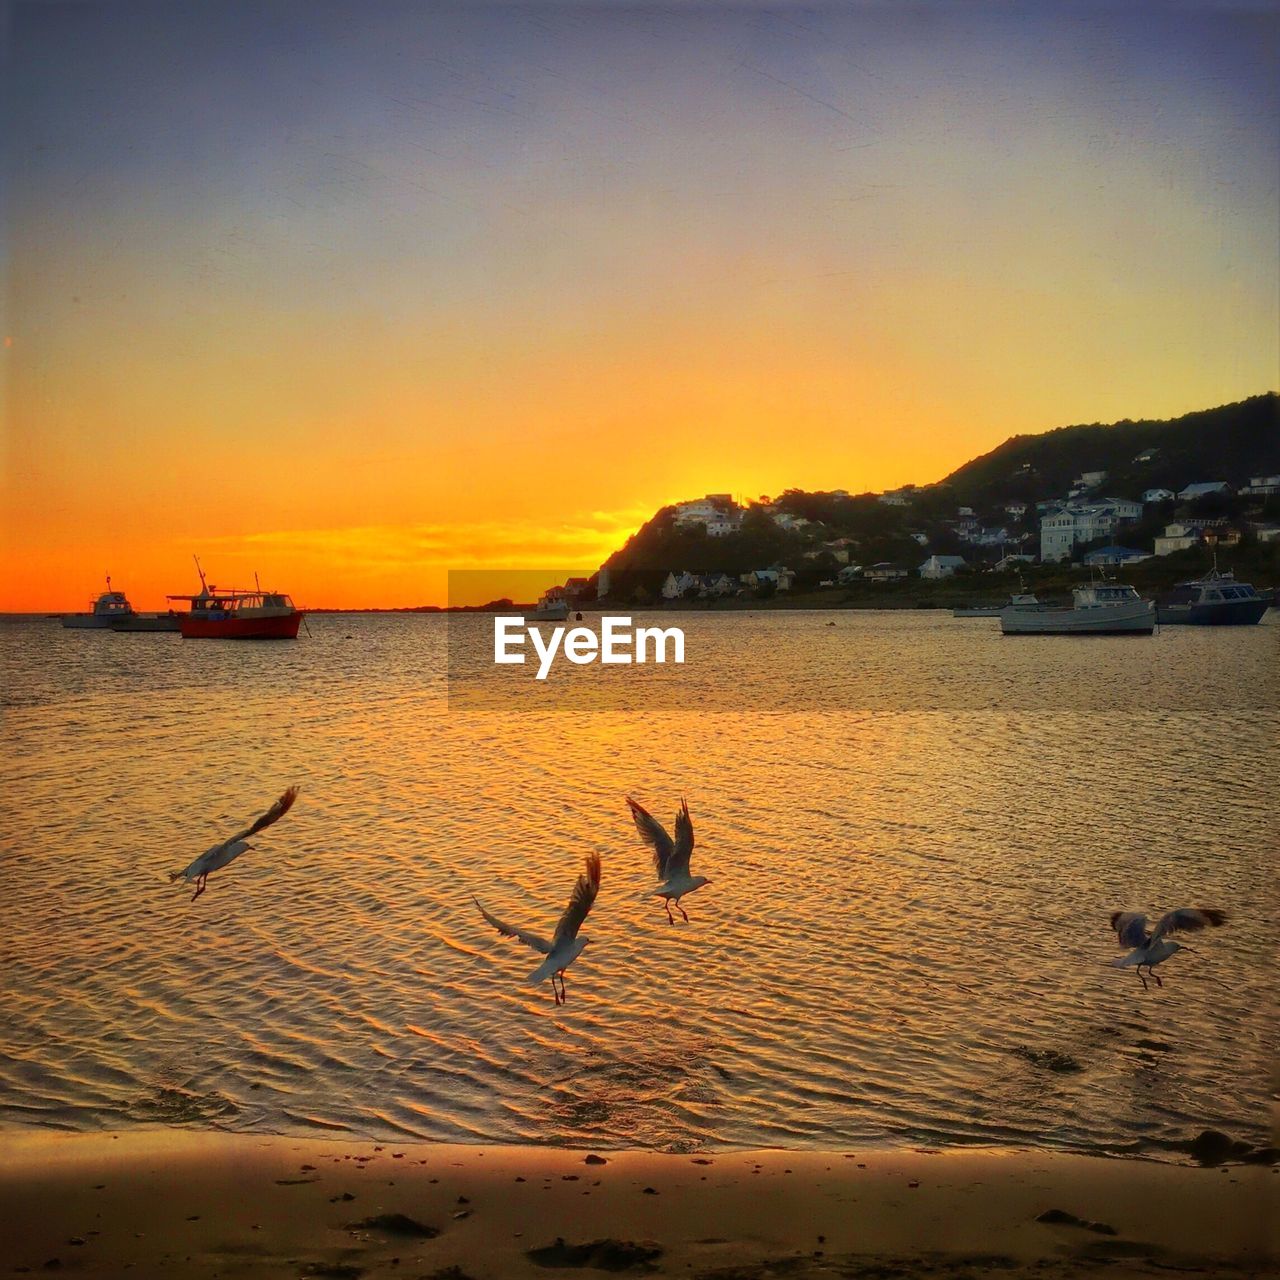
column 1231, row 443
column 816, row 533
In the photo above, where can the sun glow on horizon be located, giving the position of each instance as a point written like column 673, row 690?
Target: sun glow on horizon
column 490, row 286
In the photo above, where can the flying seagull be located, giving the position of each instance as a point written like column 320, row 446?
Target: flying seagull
column 1151, row 948
column 670, row 858
column 565, row 947
column 229, row 850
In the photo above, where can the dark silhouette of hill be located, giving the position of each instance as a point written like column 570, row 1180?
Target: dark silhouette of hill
column 1231, row 443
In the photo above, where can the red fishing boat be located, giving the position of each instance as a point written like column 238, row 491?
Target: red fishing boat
column 238, row 614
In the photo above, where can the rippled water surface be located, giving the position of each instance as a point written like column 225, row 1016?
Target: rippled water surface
column 905, row 939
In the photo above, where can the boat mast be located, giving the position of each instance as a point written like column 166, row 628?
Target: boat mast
column 203, row 586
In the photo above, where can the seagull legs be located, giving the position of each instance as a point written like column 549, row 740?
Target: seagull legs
column 670, row 918
column 682, row 911
column 1141, row 979
column 561, row 995
column 200, row 882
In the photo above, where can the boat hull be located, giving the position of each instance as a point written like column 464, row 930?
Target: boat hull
column 88, row 622
column 1122, row 620
column 1220, row 613
column 152, row 622
column 279, row 627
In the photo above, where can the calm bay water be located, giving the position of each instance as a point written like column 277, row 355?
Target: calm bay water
column 916, row 831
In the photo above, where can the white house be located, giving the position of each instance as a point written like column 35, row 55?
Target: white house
column 785, row 520
column 848, row 573
column 1266, row 532
column 1158, row 495
column 921, row 538
column 677, row 584
column 1261, row 486
column 884, row 572
column 1177, row 537
column 1193, row 491
column 1146, row 455
column 1015, row 509
column 1090, row 479
column 941, row 566
column 718, row 511
column 1011, row 562
column 1062, row 530
column 894, row 498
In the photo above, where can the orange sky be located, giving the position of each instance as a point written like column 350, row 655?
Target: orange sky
column 351, row 306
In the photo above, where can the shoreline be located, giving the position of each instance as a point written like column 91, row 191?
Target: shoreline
column 181, row 1202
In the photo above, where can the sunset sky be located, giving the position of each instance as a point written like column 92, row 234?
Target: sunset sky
column 351, row 294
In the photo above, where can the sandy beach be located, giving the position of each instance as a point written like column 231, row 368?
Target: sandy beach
column 210, row 1204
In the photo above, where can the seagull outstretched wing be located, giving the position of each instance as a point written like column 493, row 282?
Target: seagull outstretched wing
column 654, row 834
column 683, row 850
column 510, row 931
column 274, row 814
column 1188, row 919
column 580, row 902
column 1130, row 927
column 232, row 847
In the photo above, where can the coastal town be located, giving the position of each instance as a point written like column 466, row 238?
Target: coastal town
column 1157, row 511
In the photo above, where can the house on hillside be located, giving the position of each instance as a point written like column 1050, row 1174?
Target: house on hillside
column 1177, row 537
column 1146, row 455
column 894, row 498
column 1266, row 532
column 1115, row 555
column 1005, row 563
column 1194, row 491
column 1076, row 523
column 576, row 588
column 1261, row 487
column 848, row 574
column 778, row 577
column 717, row 511
column 677, row 585
column 1016, row 510
column 885, row 571
column 1158, row 495
column 785, row 520
column 941, row 566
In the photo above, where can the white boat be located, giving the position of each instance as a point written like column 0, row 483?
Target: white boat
column 1099, row 609
column 1020, row 600
column 552, row 607
column 109, row 607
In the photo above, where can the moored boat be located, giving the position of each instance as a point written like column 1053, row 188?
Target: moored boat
column 1216, row 600
column 109, row 608
column 1098, row 609
column 171, row 621
column 552, row 607
column 1019, row 600
column 238, row 614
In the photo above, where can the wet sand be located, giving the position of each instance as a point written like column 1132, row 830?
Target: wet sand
column 173, row 1202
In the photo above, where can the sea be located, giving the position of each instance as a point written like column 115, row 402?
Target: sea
column 915, row 829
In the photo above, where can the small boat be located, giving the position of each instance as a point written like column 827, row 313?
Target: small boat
column 552, row 607
column 1098, row 609
column 1019, row 600
column 110, row 607
column 238, row 614
column 171, row 621
column 1216, row 600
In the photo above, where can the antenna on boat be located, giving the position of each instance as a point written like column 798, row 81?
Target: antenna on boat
column 257, row 586
column 200, row 571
